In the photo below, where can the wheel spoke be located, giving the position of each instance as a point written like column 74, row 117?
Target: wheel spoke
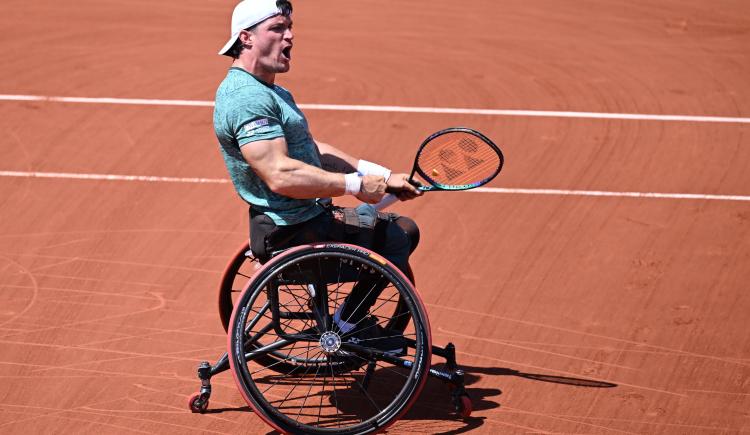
column 369, row 292
column 383, row 367
column 291, row 390
column 278, row 379
column 243, row 275
column 304, row 401
column 333, row 385
column 280, row 361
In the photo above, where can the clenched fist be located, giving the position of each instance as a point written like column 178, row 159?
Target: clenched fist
column 372, row 190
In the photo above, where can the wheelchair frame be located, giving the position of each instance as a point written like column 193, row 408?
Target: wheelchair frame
column 306, row 317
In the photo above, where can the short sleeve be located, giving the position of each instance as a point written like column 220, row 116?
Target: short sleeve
column 256, row 116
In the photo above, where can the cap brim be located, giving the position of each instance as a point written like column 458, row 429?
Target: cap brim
column 229, row 44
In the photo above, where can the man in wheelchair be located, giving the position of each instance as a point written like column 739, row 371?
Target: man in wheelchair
column 288, row 179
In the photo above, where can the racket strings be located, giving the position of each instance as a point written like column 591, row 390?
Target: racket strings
column 457, row 159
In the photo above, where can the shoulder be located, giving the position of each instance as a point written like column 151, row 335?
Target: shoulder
column 240, row 89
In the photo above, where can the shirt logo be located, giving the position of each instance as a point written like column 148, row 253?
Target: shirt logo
column 257, row 126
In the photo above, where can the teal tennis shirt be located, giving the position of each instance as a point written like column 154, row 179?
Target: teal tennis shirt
column 248, row 110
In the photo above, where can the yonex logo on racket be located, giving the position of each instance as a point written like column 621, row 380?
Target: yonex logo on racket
column 448, row 157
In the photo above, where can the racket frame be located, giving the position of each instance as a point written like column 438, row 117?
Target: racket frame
column 434, row 185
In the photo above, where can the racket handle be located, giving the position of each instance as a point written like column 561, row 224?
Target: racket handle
column 387, row 201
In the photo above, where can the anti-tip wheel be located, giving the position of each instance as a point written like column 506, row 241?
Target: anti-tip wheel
column 197, row 404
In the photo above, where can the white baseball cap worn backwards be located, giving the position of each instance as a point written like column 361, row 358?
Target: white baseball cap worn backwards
column 247, row 14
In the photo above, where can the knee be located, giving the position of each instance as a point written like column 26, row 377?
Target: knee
column 410, row 228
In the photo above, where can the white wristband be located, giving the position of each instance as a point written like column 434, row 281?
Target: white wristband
column 369, row 168
column 353, row 183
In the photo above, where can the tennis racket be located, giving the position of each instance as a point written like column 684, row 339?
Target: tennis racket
column 453, row 159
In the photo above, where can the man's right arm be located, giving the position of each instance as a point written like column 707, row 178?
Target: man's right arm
column 295, row 179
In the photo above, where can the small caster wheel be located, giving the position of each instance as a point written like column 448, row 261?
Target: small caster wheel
column 463, row 405
column 197, row 404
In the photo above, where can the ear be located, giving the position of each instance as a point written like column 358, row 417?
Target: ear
column 246, row 38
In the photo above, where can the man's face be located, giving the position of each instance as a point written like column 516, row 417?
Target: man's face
column 272, row 44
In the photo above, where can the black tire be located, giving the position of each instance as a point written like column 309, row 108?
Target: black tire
column 328, row 392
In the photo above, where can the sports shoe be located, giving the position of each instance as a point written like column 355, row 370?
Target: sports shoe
column 368, row 333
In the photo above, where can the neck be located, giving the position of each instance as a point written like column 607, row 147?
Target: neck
column 252, row 66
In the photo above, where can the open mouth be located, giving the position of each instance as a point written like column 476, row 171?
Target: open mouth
column 287, row 52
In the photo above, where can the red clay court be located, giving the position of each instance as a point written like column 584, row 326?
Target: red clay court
column 613, row 249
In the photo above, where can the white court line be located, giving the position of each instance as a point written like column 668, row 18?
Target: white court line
column 613, row 194
column 499, row 190
column 110, row 177
column 398, row 109
column 86, row 100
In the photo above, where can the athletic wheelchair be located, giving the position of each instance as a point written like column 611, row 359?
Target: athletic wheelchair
column 297, row 369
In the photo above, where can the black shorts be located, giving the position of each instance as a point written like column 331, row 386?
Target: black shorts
column 388, row 234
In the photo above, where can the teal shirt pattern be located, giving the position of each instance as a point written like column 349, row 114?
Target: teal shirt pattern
column 248, row 110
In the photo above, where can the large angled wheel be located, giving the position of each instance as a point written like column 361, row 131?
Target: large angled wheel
column 238, row 272
column 331, row 383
